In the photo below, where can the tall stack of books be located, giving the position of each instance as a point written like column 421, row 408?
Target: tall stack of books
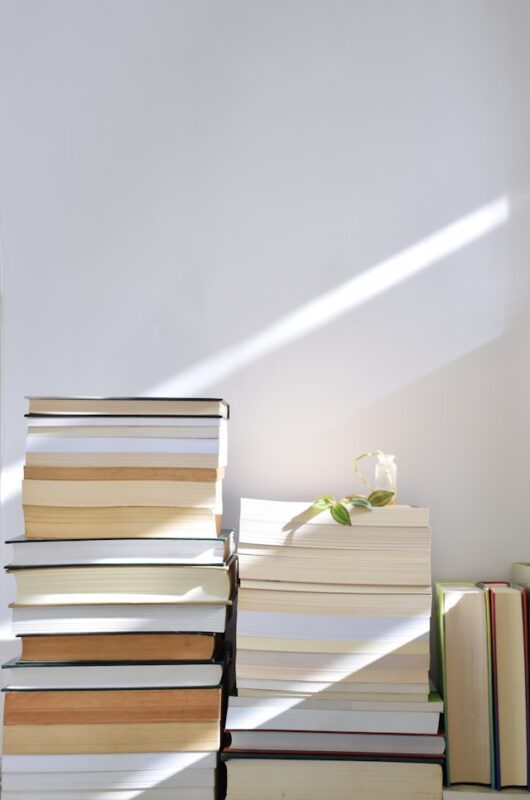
column 124, row 582
column 333, row 657
column 483, row 629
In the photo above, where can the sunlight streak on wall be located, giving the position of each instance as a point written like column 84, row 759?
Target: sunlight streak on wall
column 341, row 300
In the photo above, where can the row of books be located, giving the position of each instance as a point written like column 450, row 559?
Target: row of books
column 484, row 639
column 333, row 657
column 123, row 582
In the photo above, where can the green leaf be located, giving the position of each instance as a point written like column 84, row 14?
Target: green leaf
column 340, row 514
column 381, row 497
column 360, row 502
column 326, row 501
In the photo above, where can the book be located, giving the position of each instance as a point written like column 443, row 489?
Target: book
column 313, row 778
column 463, row 627
column 481, row 792
column 133, row 406
column 29, row 675
column 200, row 474
column 213, row 551
column 341, row 689
column 119, row 647
column 123, row 618
column 337, row 691
column 150, row 793
column 116, row 738
column 384, row 633
column 55, row 522
column 332, row 588
column 100, row 494
column 521, row 573
column 294, row 714
column 112, row 706
column 347, row 668
column 293, row 515
column 355, row 567
column 133, row 583
column 155, row 460
column 360, row 603
column 45, row 443
column 325, row 741
column 509, row 643
column 167, row 763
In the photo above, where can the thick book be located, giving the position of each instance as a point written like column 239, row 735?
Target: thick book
column 285, row 713
column 132, row 583
column 57, row 522
column 119, row 647
column 463, row 628
column 314, row 778
column 273, row 601
column 133, row 406
column 51, row 675
column 288, row 741
column 113, row 618
column 335, row 667
column 213, row 551
column 509, row 658
column 357, row 567
column 258, row 630
column 128, row 460
column 101, row 494
column 116, row 738
column 45, row 473
column 112, row 706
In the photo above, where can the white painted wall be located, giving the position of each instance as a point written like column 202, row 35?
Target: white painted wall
column 177, row 177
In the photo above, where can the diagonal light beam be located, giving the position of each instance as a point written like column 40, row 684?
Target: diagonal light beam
column 341, row 300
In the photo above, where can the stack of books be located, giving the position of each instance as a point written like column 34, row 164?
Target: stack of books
column 483, row 631
column 333, row 657
column 124, row 581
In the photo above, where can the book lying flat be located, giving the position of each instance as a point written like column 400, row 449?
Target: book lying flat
column 166, row 763
column 119, row 647
column 247, row 713
column 107, row 781
column 314, row 778
column 213, row 551
column 117, row 738
column 100, row 494
column 359, row 604
column 317, row 742
column 333, row 685
column 135, row 406
column 292, row 515
column 44, row 443
column 392, row 630
column 47, row 473
column 20, row 675
column 112, row 618
column 333, row 667
column 151, row 793
column 56, row 522
column 132, row 583
column 329, row 693
column 288, row 586
column 112, row 706
column 134, row 460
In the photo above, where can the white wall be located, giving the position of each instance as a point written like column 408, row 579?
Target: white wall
column 177, row 177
